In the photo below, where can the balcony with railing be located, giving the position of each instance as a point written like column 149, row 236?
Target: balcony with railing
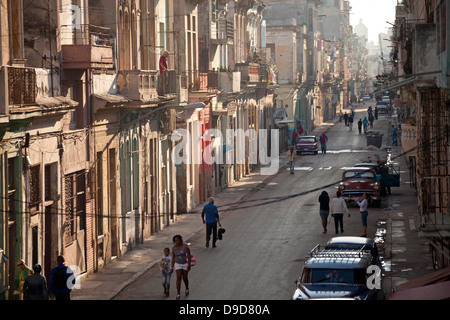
column 89, row 47
column 138, row 85
column 254, row 74
column 228, row 81
column 29, row 92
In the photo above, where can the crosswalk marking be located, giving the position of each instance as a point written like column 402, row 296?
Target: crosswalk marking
column 309, row 168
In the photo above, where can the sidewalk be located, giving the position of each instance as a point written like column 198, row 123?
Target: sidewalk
column 406, row 256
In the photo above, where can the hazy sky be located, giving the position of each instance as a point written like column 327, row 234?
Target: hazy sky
column 374, row 14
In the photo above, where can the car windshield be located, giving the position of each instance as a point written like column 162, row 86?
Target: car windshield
column 306, row 140
column 348, row 276
column 359, row 175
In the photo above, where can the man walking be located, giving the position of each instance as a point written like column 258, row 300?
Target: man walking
column 291, row 158
column 323, row 142
column 360, row 126
column 337, row 209
column 24, row 273
column 58, row 281
column 210, row 217
column 394, row 135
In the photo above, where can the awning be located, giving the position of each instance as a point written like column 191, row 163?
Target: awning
column 45, row 104
column 433, row 286
column 56, row 102
column 397, row 85
column 111, row 98
column 438, row 291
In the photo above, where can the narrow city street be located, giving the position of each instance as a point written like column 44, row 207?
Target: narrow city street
column 272, row 229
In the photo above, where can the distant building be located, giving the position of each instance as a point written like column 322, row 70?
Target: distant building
column 362, row 31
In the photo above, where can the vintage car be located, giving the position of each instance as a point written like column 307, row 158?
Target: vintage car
column 336, row 274
column 307, row 144
column 355, row 243
column 359, row 180
column 383, row 107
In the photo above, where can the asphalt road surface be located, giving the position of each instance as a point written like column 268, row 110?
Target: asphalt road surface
column 272, row 230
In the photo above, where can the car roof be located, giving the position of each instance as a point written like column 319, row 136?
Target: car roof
column 351, row 240
column 306, row 137
column 369, row 165
column 339, row 259
column 358, row 169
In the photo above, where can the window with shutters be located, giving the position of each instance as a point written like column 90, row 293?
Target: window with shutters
column 74, row 204
column 12, row 189
column 99, row 193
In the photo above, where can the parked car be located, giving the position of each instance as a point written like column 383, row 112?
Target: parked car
column 366, row 97
column 374, row 166
column 307, row 144
column 359, row 180
column 356, row 243
column 382, row 107
column 335, row 274
column 386, row 99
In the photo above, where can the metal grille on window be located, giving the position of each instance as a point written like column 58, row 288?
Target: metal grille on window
column 22, row 86
column 34, row 189
column 69, row 224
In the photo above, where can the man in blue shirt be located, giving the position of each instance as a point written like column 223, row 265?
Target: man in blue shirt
column 59, row 283
column 210, row 217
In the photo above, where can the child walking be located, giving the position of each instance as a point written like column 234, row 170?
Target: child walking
column 165, row 263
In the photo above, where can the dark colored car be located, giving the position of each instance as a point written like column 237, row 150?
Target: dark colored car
column 335, row 274
column 307, row 144
column 359, row 180
column 382, row 107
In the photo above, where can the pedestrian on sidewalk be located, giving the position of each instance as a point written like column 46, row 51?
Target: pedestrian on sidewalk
column 291, row 154
column 324, row 201
column 340, row 115
column 365, row 123
column 35, row 286
column 323, row 142
column 210, row 217
column 376, row 113
column 165, row 263
column 360, row 126
column 337, row 209
column 350, row 122
column 58, row 280
column 24, row 273
column 363, row 204
column 294, row 138
column 346, row 118
column 181, row 262
column 371, row 119
column 394, row 135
